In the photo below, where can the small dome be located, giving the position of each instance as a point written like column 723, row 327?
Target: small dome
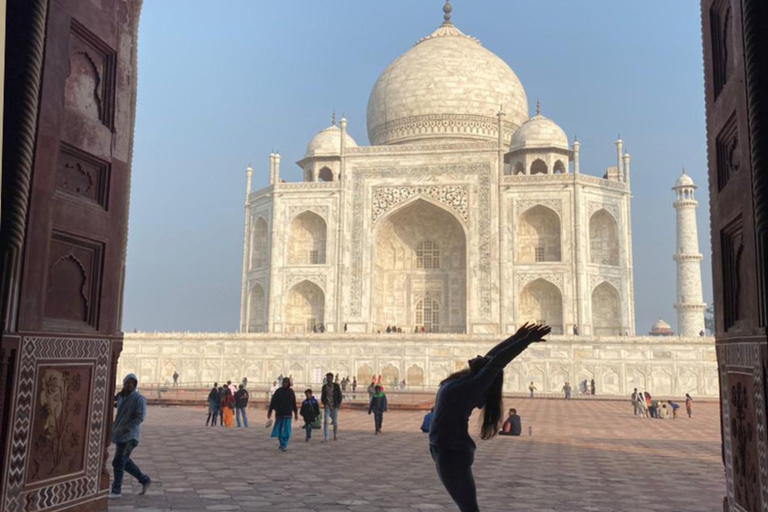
column 661, row 328
column 539, row 132
column 684, row 181
column 328, row 143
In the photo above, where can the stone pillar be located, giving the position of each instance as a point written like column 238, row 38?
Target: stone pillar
column 690, row 305
column 271, row 168
column 630, row 324
column 619, row 153
column 576, row 149
column 246, row 254
column 277, row 168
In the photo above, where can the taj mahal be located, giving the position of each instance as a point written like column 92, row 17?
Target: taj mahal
column 464, row 218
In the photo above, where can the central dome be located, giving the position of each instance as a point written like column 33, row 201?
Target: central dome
column 446, row 88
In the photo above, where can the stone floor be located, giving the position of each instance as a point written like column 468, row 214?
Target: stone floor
column 582, row 456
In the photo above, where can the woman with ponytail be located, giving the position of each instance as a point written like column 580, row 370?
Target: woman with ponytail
column 478, row 386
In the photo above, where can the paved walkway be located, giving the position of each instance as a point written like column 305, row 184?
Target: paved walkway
column 582, row 456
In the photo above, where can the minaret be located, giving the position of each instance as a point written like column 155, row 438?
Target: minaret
column 690, row 305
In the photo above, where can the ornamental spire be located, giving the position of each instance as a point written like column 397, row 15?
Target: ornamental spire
column 538, row 107
column 447, row 9
column 333, row 118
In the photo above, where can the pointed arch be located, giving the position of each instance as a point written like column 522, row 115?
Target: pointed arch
column 414, row 376
column 307, row 242
column 428, row 314
column 538, row 235
column 259, row 243
column 559, row 167
column 364, row 374
column 541, row 301
column 606, row 310
column 539, row 167
column 256, row 309
column 390, row 375
column 305, row 307
column 325, row 174
column 519, row 168
column 603, row 238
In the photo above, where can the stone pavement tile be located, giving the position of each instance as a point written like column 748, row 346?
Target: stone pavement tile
column 583, row 456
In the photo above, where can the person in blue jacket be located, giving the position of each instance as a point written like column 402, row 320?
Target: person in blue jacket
column 131, row 410
column 378, row 406
column 478, row 386
column 427, row 421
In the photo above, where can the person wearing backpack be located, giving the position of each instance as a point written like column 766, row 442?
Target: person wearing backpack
column 310, row 411
column 378, row 405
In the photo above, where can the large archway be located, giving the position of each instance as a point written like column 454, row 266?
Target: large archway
column 305, row 308
column 603, row 239
column 259, row 244
column 256, row 314
column 606, row 310
column 541, row 302
column 419, row 267
column 307, row 240
column 538, row 236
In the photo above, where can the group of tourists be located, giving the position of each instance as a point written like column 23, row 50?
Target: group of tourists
column 646, row 406
column 227, row 404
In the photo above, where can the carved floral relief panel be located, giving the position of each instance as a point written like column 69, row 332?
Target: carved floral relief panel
column 83, row 176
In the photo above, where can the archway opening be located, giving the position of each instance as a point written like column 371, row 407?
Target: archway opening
column 307, row 240
column 603, row 239
column 256, row 314
column 519, row 168
column 541, row 302
column 559, row 167
column 538, row 236
column 259, row 244
column 419, row 268
column 606, row 310
column 325, row 174
column 305, row 308
column 538, row 167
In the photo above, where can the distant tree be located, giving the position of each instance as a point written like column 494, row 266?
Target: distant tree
column 709, row 319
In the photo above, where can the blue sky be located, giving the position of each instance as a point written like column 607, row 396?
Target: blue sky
column 222, row 87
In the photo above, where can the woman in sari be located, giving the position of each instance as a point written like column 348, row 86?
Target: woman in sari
column 227, row 408
column 478, row 386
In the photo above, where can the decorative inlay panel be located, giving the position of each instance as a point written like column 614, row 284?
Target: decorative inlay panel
column 321, row 210
column 555, row 278
column 424, row 174
column 291, row 279
column 30, row 400
column 452, row 196
column 439, row 125
column 596, row 280
column 522, row 205
column 594, row 206
column 417, row 148
column 82, row 175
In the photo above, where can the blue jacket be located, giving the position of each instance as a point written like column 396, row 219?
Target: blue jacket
column 131, row 411
column 378, row 404
column 427, row 422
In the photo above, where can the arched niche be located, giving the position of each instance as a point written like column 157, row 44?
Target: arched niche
column 419, row 251
column 603, row 239
column 519, row 168
column 538, row 167
column 541, row 302
column 390, row 376
column 256, row 306
column 307, row 240
column 414, row 376
column 364, row 374
column 606, row 310
column 305, row 307
column 325, row 174
column 259, row 244
column 538, row 236
column 428, row 314
column 559, row 167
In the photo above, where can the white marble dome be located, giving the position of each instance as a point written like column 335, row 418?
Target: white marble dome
column 684, row 181
column 539, row 132
column 328, row 142
column 446, row 88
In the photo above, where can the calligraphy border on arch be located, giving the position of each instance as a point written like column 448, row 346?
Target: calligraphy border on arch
column 386, row 197
column 424, row 174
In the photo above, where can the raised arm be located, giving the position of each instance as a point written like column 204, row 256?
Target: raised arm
column 509, row 352
column 521, row 334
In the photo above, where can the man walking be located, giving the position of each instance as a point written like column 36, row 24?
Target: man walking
column 131, row 409
column 378, row 406
column 241, row 403
column 331, row 400
column 567, row 390
column 634, row 400
column 175, row 379
column 531, row 388
column 283, row 403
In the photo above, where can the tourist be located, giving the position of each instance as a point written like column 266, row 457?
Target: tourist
column 378, row 405
column 389, row 329
column 345, row 327
column 634, row 401
column 427, row 421
column 371, row 388
column 175, row 379
column 344, row 385
column 354, row 384
column 280, row 380
column 642, row 407
column 228, row 408
column 531, row 388
column 647, row 397
column 232, row 387
column 512, row 426
column 310, row 411
column 459, row 394
column 222, row 391
column 131, row 410
column 283, row 403
column 575, row 330
column 584, row 387
column 245, row 382
column 688, row 404
column 567, row 390
column 592, row 387
column 213, row 405
column 272, row 389
column 241, row 404
column 331, row 398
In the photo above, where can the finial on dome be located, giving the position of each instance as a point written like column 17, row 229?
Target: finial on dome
column 538, row 107
column 333, row 118
column 447, row 9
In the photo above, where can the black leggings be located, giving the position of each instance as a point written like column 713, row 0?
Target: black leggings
column 455, row 471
